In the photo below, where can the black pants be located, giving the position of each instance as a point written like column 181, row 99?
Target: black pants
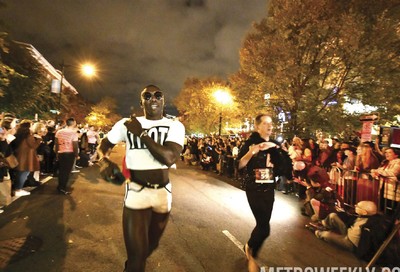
column 66, row 162
column 261, row 204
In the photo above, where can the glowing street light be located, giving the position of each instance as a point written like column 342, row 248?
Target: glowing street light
column 86, row 69
column 223, row 97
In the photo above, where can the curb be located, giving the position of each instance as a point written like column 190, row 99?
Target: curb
column 29, row 189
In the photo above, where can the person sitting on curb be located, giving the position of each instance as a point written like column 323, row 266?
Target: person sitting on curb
column 320, row 198
column 337, row 231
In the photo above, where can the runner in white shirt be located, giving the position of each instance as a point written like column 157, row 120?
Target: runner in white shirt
column 153, row 145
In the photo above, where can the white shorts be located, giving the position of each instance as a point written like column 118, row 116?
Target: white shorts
column 138, row 197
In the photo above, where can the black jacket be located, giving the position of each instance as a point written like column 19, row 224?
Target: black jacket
column 279, row 158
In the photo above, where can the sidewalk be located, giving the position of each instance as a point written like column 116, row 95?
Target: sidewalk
column 29, row 189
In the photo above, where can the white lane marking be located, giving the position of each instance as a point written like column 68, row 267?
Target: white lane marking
column 46, row 179
column 233, row 239
column 240, row 246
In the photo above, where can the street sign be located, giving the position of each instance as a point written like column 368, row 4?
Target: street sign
column 370, row 117
column 55, row 86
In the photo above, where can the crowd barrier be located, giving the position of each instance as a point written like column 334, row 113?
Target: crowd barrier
column 354, row 186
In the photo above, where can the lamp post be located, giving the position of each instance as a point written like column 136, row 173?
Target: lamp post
column 223, row 97
column 86, row 69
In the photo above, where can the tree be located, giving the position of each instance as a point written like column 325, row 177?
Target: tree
column 25, row 86
column 103, row 113
column 313, row 56
column 5, row 70
column 28, row 89
column 198, row 107
column 75, row 106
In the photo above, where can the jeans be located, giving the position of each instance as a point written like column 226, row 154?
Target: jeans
column 333, row 222
column 21, row 178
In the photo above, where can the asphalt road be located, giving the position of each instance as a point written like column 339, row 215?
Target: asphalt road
column 209, row 223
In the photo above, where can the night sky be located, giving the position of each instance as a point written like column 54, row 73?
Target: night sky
column 135, row 43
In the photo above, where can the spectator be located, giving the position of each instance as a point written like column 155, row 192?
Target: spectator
column 49, row 155
column 301, row 155
column 25, row 146
column 5, row 151
column 67, row 151
column 366, row 160
column 314, row 149
column 206, row 158
column 187, row 155
column 296, row 149
column 339, row 158
column 93, row 140
column 350, row 159
column 320, row 200
column 323, row 159
column 389, row 173
column 347, row 233
column 235, row 152
column 43, row 149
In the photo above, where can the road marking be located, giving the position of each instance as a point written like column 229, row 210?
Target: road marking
column 233, row 239
column 240, row 246
column 46, row 179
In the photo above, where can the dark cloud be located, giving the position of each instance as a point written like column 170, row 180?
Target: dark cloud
column 135, row 43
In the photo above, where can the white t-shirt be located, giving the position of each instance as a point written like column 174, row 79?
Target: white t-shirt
column 138, row 157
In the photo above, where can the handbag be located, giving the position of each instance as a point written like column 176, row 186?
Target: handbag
column 12, row 161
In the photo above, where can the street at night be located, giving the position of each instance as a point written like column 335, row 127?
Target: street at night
column 209, row 224
column 296, row 99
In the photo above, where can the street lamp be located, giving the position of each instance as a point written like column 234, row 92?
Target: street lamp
column 223, row 97
column 88, row 70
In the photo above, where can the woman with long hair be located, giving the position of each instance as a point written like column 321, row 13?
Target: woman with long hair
column 366, row 160
column 25, row 146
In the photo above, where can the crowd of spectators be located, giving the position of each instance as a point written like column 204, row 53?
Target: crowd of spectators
column 27, row 153
column 218, row 154
column 315, row 164
column 31, row 144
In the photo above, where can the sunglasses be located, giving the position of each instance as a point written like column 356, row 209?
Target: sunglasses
column 147, row 96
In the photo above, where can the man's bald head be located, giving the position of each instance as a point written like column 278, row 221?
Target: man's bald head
column 366, row 208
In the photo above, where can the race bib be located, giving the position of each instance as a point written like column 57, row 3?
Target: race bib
column 264, row 175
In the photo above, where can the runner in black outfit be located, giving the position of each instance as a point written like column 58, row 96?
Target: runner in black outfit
column 259, row 159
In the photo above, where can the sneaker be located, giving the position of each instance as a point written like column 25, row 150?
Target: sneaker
column 75, row 171
column 318, row 226
column 64, row 192
column 77, row 166
column 1, row 210
column 318, row 234
column 22, row 193
column 310, row 227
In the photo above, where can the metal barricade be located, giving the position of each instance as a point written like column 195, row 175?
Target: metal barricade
column 367, row 188
column 349, row 186
column 336, row 180
column 353, row 186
